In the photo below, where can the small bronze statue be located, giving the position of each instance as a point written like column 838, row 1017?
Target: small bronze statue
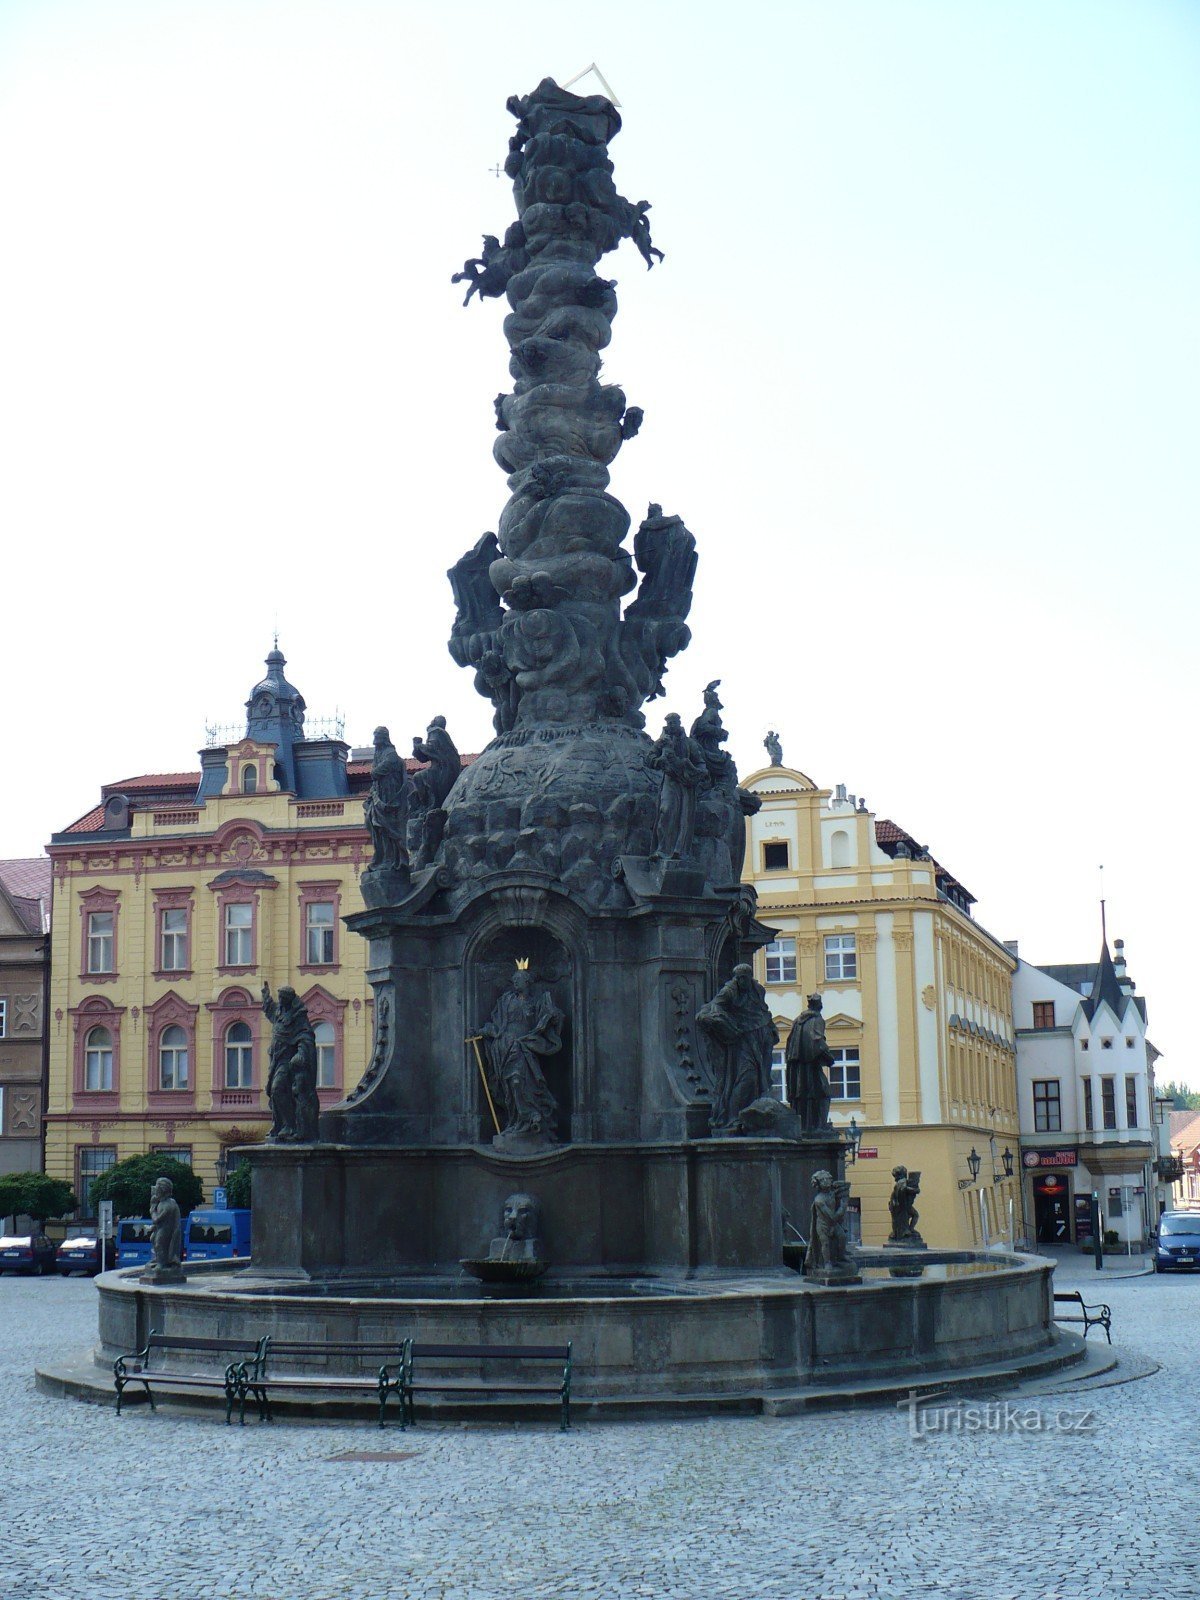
column 385, row 810
column 807, row 1056
column 525, row 1025
column 739, row 1022
column 166, row 1236
column 828, row 1256
column 902, row 1205
column 292, row 1078
column 773, row 748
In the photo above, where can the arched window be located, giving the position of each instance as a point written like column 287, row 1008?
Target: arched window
column 326, row 1055
column 839, row 849
column 173, row 1058
column 239, row 1056
column 98, row 1060
column 249, row 779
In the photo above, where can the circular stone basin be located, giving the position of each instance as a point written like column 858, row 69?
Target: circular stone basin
column 765, row 1341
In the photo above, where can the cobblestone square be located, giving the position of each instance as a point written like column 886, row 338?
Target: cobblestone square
column 829, row 1506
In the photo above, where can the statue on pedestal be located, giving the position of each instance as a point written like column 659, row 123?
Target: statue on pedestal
column 292, row 1078
column 902, row 1205
column 525, row 1024
column 828, row 1257
column 683, row 770
column 808, row 1055
column 385, row 810
column 166, row 1236
column 773, row 748
column 428, row 790
column 739, row 1022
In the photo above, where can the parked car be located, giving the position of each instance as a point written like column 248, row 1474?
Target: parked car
column 80, row 1252
column 211, row 1235
column 27, row 1252
column 1178, row 1244
column 133, row 1241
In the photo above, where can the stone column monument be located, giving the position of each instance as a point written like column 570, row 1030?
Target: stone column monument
column 540, row 952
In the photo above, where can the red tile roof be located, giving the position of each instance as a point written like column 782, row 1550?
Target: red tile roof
column 89, row 822
column 889, row 832
column 154, row 780
column 27, row 881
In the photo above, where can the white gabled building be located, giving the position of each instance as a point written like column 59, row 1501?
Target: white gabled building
column 1085, row 1082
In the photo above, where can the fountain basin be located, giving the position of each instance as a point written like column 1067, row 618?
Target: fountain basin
column 751, row 1342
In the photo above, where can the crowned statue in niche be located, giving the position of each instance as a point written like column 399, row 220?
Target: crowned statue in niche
column 525, row 1026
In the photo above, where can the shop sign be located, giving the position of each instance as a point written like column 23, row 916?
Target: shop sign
column 1050, row 1158
column 868, row 1152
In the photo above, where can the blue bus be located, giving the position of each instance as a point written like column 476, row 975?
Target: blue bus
column 133, row 1241
column 210, row 1235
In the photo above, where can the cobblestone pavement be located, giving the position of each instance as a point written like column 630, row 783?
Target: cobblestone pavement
column 832, row 1506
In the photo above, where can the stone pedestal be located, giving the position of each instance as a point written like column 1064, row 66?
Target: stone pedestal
column 673, row 1209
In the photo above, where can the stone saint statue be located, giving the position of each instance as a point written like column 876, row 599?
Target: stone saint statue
column 166, row 1235
column 385, row 811
column 773, row 748
column 828, row 1244
column 738, row 1021
column 525, row 1025
column 428, row 790
column 292, row 1077
column 906, row 1187
column 683, row 770
column 808, row 1056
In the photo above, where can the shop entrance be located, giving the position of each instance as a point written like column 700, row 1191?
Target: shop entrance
column 1052, row 1209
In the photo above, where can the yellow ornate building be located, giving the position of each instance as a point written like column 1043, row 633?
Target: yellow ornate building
column 174, row 900
column 917, row 999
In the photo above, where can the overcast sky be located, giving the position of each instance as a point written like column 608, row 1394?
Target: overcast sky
column 919, row 371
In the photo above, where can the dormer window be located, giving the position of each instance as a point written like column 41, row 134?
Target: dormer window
column 249, row 780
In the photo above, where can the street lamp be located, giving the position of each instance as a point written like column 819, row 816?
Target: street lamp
column 1006, row 1156
column 974, row 1161
column 853, row 1139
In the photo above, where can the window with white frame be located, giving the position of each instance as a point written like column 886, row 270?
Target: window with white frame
column 781, row 961
column 173, row 1058
column 100, row 941
column 239, row 1056
column 326, row 1039
column 779, row 1071
column 841, row 957
column 239, row 934
column 98, row 1061
column 318, row 933
column 174, row 939
column 845, row 1074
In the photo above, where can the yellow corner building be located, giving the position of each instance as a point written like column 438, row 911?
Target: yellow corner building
column 917, row 999
column 174, row 900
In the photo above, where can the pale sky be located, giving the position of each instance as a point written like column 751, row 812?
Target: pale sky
column 919, row 371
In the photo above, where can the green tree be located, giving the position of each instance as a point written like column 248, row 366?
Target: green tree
column 1183, row 1098
column 33, row 1194
column 129, row 1183
column 237, row 1187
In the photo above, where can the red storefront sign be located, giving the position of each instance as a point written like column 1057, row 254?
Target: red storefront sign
column 1050, row 1158
column 868, row 1152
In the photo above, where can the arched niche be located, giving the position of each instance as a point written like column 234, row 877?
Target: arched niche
column 492, row 966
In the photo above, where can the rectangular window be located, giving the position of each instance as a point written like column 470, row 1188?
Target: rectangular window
column 177, row 1152
column 775, row 856
column 845, row 1075
column 318, row 933
column 1087, row 1104
column 1085, row 1044
column 1047, row 1106
column 100, row 941
column 3, row 1025
column 1131, row 1102
column 91, row 1160
column 781, row 961
column 1108, row 1091
column 1043, row 1013
column 779, row 1072
column 239, row 935
column 174, row 939
column 841, row 958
